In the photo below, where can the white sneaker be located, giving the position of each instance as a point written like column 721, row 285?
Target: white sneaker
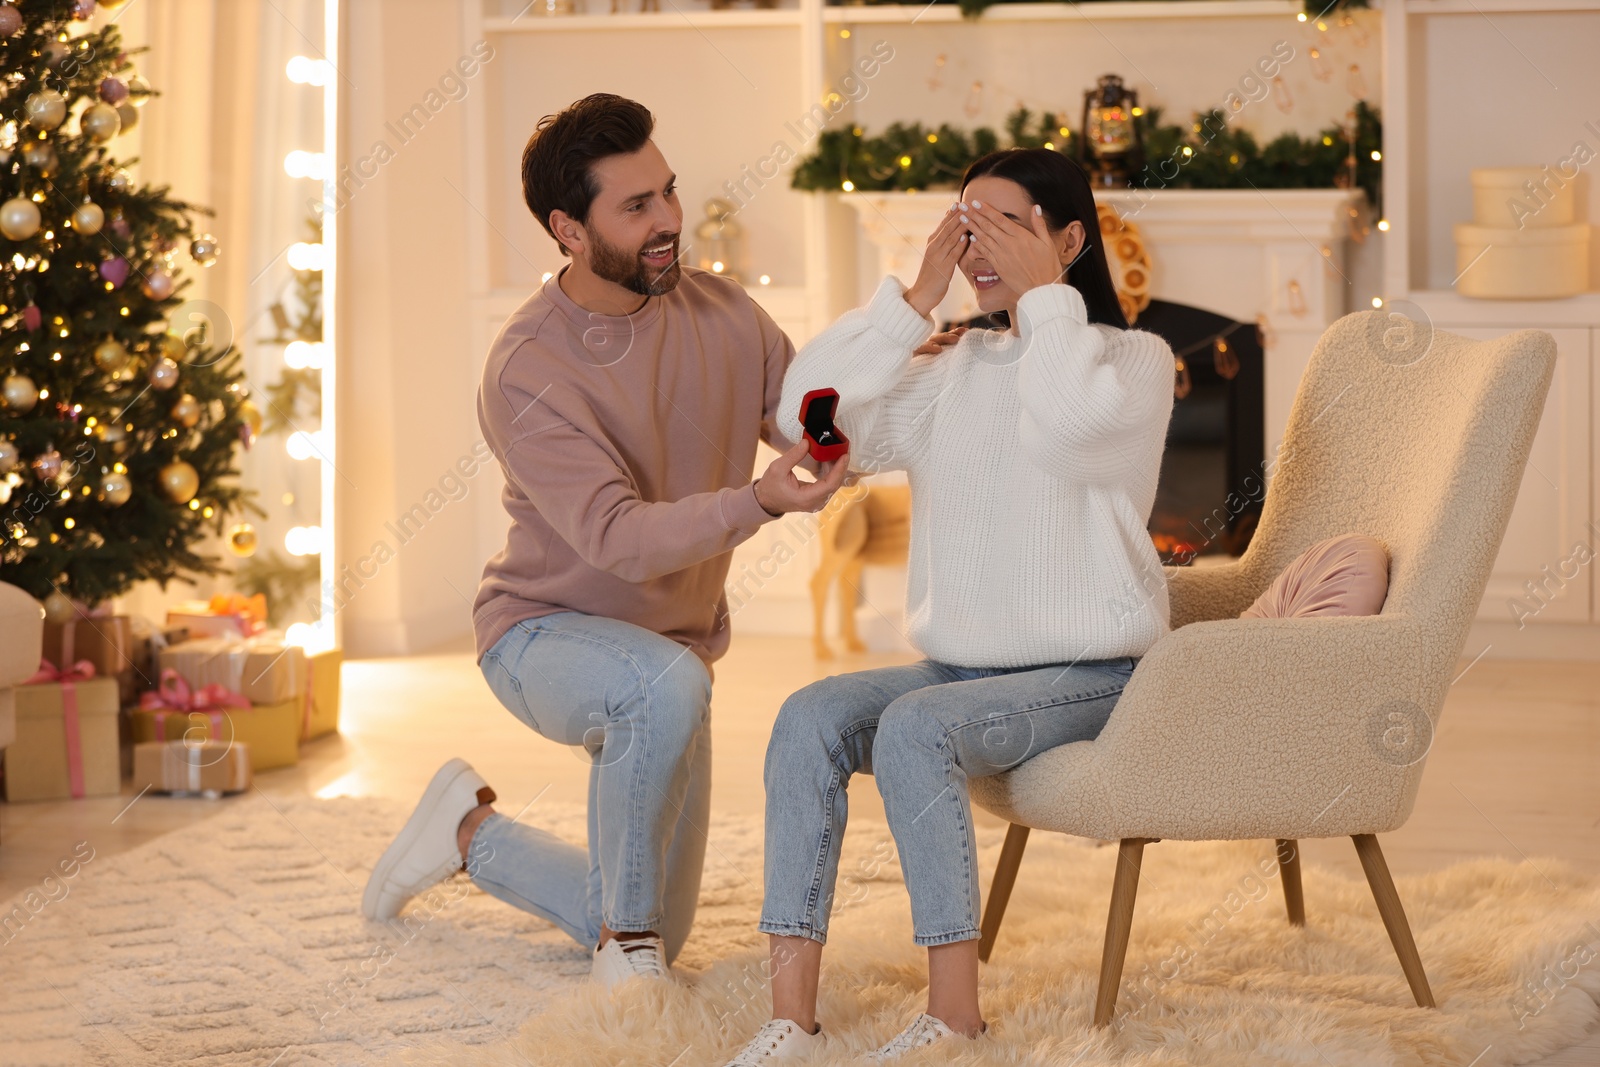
column 424, row 853
column 638, row 957
column 779, row 1039
column 924, row 1030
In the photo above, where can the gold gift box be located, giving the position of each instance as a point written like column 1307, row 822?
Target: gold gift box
column 322, row 716
column 272, row 731
column 36, row 763
column 263, row 669
column 182, row 767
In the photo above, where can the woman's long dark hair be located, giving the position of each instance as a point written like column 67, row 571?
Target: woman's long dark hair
column 1060, row 187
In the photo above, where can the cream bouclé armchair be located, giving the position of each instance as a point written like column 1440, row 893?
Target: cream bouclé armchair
column 1283, row 728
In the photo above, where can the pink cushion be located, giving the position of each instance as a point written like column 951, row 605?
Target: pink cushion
column 1346, row 575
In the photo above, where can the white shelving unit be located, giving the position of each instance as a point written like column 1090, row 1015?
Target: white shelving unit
column 1451, row 66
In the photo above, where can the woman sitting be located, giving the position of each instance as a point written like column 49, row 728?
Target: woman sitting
column 1032, row 453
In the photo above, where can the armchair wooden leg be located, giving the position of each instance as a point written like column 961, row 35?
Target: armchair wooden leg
column 1005, row 876
column 1394, row 916
column 1119, row 923
column 1289, row 871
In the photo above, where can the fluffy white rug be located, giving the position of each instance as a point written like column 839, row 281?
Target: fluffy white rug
column 238, row 942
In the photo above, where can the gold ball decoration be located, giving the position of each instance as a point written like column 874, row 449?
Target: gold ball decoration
column 117, row 489
column 114, row 436
column 21, row 394
column 110, row 355
column 173, row 348
column 250, row 415
column 19, row 218
column 58, row 608
column 128, row 112
column 205, row 249
column 100, row 122
column 242, row 539
column 45, row 109
column 120, row 181
column 88, row 217
column 163, row 374
column 1128, row 259
column 179, row 481
column 41, row 156
column 186, row 411
column 8, row 456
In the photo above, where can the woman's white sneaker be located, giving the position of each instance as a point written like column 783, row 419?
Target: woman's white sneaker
column 638, row 957
column 923, row 1030
column 779, row 1039
column 425, row 853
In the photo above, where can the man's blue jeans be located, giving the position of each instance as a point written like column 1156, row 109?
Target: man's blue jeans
column 921, row 731
column 639, row 705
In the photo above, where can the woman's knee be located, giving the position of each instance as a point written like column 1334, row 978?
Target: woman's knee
column 812, row 723
column 910, row 726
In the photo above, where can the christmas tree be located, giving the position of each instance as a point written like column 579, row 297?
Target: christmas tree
column 123, row 403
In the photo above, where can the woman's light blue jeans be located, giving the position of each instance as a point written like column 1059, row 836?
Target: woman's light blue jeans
column 921, row 731
column 639, row 706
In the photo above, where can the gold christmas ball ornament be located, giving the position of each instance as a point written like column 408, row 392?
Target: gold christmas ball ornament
column 110, row 355
column 179, row 481
column 88, row 217
column 100, row 122
column 186, row 411
column 174, row 348
column 20, row 393
column 19, row 218
column 138, row 90
column 117, row 489
column 41, row 156
column 56, row 53
column 45, row 109
column 242, row 539
column 8, row 457
column 250, row 415
column 128, row 112
column 157, row 285
column 163, row 374
column 58, row 608
column 120, row 181
column 205, row 249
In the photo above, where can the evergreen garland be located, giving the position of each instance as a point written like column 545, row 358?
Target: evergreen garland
column 1209, row 153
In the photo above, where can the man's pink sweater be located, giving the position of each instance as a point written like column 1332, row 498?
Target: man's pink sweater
column 628, row 444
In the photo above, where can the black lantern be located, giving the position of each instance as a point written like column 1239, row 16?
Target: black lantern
column 1111, row 149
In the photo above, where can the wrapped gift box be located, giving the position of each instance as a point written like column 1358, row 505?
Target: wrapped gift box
column 272, row 731
column 220, row 616
column 181, row 767
column 321, row 712
column 107, row 641
column 149, row 638
column 66, row 743
column 262, row 669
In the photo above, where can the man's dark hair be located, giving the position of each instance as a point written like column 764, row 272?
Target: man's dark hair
column 558, row 162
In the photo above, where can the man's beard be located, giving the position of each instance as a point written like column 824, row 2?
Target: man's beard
column 629, row 270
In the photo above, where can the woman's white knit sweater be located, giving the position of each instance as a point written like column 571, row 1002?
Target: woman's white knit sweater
column 1032, row 461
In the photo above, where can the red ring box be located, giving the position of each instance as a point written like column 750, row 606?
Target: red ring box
column 816, row 415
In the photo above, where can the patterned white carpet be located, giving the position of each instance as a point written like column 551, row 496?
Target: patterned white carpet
column 237, row 942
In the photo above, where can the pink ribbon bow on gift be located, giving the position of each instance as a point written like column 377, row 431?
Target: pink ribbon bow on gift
column 174, row 693
column 81, row 671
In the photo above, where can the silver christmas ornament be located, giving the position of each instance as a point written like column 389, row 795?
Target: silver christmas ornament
column 205, row 249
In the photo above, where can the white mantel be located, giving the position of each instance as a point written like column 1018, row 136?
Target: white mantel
column 1277, row 255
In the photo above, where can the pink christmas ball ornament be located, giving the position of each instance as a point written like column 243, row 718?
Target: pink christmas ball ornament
column 114, row 270
column 10, row 20
column 32, row 317
column 113, row 91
